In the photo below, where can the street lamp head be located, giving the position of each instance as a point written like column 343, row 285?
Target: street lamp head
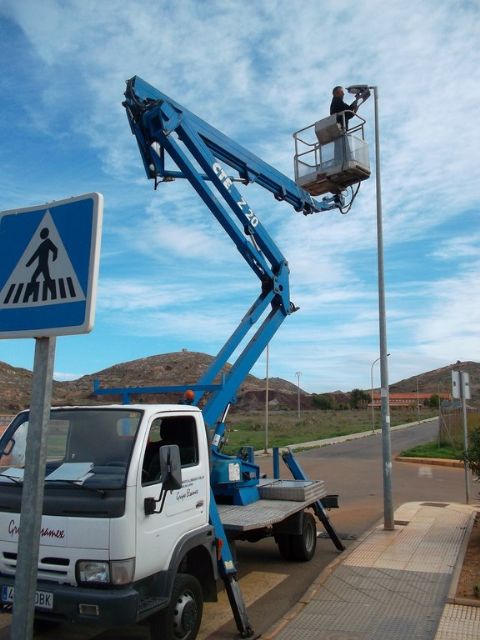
column 357, row 88
column 362, row 93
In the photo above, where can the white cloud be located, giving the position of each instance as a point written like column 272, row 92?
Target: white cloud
column 258, row 71
column 459, row 248
column 63, row 376
column 456, row 310
column 132, row 296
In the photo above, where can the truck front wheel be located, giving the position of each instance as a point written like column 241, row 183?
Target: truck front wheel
column 181, row 619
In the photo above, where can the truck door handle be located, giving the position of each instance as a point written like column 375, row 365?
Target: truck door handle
column 199, row 504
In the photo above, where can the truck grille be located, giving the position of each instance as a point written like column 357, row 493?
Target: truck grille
column 49, row 567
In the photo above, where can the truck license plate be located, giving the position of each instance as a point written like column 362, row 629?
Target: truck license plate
column 43, row 599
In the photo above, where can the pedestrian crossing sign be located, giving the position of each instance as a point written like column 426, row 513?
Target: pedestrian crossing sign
column 49, row 267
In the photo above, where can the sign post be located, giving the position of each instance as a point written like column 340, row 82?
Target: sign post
column 48, row 280
column 461, row 390
column 33, row 489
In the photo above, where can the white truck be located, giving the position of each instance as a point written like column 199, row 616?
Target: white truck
column 126, row 532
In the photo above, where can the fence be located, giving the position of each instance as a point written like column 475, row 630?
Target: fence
column 451, row 426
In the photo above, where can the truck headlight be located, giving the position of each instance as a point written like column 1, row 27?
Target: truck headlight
column 93, row 571
column 116, row 572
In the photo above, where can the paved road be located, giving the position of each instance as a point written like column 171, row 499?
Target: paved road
column 353, row 469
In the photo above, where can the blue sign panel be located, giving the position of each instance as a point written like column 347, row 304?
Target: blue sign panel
column 49, row 258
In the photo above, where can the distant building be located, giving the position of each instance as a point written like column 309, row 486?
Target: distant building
column 407, row 400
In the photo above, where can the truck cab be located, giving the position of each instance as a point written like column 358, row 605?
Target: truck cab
column 115, row 545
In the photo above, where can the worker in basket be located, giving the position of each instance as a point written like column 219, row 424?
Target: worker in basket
column 346, row 111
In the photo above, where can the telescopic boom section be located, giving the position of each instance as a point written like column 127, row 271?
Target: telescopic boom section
column 141, row 97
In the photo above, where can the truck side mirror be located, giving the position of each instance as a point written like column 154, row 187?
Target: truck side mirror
column 170, row 477
column 170, row 467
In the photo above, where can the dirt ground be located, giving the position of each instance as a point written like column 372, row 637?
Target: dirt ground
column 469, row 582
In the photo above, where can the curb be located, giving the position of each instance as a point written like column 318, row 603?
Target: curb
column 297, row 608
column 439, row 462
column 451, row 599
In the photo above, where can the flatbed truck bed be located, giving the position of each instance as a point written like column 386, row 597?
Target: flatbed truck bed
column 266, row 512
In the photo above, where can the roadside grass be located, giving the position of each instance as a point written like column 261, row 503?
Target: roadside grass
column 433, row 450
column 285, row 428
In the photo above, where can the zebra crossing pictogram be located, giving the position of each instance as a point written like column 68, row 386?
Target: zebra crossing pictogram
column 44, row 274
column 63, row 288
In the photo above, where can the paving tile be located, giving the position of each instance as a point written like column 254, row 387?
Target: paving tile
column 459, row 622
column 394, row 585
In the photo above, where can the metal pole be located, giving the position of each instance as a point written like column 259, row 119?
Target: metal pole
column 266, row 405
column 298, row 374
column 32, row 493
column 386, row 441
column 439, row 414
column 465, row 437
column 418, row 405
column 371, row 386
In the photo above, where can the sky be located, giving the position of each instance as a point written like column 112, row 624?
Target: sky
column 257, row 70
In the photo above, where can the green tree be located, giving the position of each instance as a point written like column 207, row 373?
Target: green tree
column 359, row 399
column 433, row 401
column 321, row 401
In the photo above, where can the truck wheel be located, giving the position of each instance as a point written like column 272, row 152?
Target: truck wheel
column 284, row 545
column 303, row 546
column 181, row 619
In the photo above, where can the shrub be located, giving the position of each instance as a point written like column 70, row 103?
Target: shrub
column 472, row 455
column 321, row 401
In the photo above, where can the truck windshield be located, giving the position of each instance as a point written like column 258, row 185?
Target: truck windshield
column 85, row 446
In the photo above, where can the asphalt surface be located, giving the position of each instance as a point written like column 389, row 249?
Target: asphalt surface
column 353, row 470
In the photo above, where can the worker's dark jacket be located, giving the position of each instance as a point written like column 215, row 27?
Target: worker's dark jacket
column 338, row 105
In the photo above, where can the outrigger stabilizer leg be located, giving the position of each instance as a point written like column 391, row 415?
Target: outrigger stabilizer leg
column 228, row 573
column 299, row 474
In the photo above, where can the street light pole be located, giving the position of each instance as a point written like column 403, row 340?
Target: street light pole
column 371, row 387
column 418, row 404
column 388, row 519
column 298, row 374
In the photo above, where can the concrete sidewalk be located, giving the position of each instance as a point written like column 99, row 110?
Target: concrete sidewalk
column 392, row 584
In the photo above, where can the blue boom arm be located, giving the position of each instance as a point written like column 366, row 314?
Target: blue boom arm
column 164, row 129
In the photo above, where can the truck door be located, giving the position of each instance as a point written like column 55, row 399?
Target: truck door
column 185, row 509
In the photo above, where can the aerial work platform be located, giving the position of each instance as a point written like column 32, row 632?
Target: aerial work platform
column 329, row 157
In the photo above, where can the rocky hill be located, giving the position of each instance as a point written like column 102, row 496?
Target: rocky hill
column 440, row 380
column 187, row 367
column 184, row 367
column 16, row 387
